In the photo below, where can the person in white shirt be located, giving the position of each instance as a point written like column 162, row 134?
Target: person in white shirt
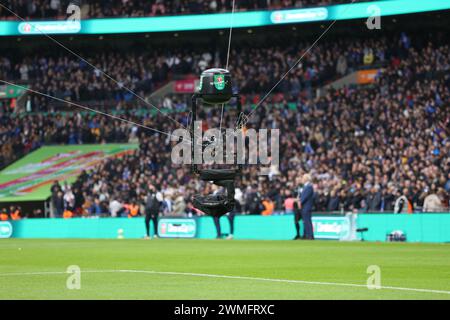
column 115, row 207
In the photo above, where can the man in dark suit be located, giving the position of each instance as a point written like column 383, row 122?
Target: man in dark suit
column 307, row 202
column 152, row 207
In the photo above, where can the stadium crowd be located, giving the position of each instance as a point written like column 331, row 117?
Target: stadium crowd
column 56, row 9
column 254, row 70
column 384, row 147
column 374, row 148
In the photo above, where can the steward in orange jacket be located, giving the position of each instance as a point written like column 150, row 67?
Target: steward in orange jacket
column 16, row 215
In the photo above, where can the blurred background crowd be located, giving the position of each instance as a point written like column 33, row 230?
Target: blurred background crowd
column 43, row 9
column 378, row 147
column 255, row 69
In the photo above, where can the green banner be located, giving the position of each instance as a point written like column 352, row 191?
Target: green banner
column 30, row 178
column 8, row 92
column 221, row 20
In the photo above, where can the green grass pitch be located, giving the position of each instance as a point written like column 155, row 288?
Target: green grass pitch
column 221, row 269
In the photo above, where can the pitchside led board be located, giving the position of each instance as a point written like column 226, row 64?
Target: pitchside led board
column 335, row 227
column 6, row 230
column 177, row 228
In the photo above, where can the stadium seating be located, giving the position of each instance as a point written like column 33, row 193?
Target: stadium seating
column 44, row 9
column 367, row 146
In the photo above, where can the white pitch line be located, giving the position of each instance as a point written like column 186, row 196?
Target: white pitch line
column 283, row 280
column 218, row 276
column 43, row 273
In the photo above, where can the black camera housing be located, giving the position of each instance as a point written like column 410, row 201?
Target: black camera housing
column 215, row 86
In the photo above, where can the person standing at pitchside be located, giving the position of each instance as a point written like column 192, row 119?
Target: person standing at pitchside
column 306, row 202
column 152, row 208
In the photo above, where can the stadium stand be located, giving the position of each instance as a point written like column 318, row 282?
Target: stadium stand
column 254, row 70
column 367, row 146
column 55, row 9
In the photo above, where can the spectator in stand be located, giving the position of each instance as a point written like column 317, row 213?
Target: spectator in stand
column 179, row 205
column 133, row 210
column 289, row 203
column 403, row 204
column 4, row 216
column 433, row 203
column 69, row 199
column 15, row 213
column 269, row 207
column 447, row 184
column 115, row 207
column 38, row 213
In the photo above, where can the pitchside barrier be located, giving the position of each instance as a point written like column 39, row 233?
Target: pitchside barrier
column 421, row 227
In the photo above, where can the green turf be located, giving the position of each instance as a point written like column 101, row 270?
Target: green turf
column 425, row 266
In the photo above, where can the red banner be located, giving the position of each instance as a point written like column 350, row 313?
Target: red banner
column 185, row 86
